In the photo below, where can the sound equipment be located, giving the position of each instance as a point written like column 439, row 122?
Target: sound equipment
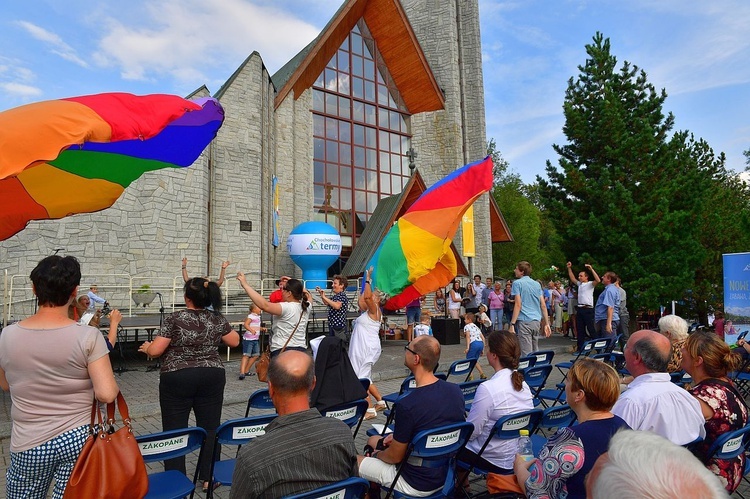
column 446, row 331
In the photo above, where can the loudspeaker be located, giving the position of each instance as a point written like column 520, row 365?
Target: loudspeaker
column 446, row 331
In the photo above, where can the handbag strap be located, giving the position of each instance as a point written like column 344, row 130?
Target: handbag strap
column 95, row 421
column 122, row 407
column 293, row 331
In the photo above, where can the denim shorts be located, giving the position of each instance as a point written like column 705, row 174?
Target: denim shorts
column 250, row 348
column 413, row 315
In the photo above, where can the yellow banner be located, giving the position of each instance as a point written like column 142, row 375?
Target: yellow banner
column 467, row 232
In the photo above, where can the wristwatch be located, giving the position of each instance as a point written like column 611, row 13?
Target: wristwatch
column 513, row 324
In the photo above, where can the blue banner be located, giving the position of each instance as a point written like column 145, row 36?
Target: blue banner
column 736, row 296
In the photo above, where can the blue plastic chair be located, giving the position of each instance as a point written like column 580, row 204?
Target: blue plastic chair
column 554, row 418
column 506, row 428
column 526, row 362
column 351, row 413
column 437, row 447
column 170, row 444
column 543, row 357
column 351, row 488
column 462, row 367
column 234, row 432
column 260, row 399
column 536, row 378
column 730, row 444
column 469, row 389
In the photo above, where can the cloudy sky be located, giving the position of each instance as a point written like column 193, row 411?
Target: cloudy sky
column 698, row 51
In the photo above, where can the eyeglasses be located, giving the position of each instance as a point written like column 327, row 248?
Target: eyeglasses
column 406, row 347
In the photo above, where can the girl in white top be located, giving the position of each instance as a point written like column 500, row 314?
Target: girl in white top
column 293, row 314
column 454, row 300
column 364, row 347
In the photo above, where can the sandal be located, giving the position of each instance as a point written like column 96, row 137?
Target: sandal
column 205, row 486
column 380, row 405
column 371, row 414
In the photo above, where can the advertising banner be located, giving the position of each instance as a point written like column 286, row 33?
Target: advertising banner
column 736, row 296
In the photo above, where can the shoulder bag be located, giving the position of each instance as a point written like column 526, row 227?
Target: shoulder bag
column 110, row 463
column 261, row 365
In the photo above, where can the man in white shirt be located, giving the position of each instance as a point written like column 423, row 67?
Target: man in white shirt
column 585, row 308
column 652, row 402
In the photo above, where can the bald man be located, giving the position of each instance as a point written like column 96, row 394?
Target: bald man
column 431, row 404
column 652, row 402
column 301, row 450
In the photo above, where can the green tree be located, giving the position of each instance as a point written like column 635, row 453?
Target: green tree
column 626, row 196
column 534, row 237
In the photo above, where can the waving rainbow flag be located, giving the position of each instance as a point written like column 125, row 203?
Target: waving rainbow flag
column 415, row 257
column 78, row 155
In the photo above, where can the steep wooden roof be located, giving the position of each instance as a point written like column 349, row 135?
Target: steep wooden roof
column 498, row 227
column 396, row 41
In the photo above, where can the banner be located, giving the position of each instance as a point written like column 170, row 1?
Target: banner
column 736, row 296
column 467, row 233
column 275, row 190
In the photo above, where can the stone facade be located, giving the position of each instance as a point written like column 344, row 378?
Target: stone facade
column 196, row 212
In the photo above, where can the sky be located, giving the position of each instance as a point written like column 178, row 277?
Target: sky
column 699, row 52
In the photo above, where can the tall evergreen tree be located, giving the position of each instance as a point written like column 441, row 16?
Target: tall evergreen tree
column 627, row 196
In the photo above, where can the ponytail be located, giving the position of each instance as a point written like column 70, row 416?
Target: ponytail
column 517, row 379
column 203, row 293
column 505, row 345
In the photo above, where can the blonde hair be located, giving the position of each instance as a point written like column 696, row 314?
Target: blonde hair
column 718, row 359
column 599, row 381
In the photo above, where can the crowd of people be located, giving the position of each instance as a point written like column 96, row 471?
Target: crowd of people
column 645, row 414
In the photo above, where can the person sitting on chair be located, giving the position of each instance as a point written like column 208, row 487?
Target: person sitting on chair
column 416, row 412
column 301, row 450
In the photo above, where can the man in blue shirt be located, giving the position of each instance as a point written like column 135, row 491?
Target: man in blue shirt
column 607, row 309
column 529, row 309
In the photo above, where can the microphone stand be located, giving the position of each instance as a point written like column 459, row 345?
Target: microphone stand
column 157, row 365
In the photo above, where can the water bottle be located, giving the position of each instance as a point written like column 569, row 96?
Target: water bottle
column 524, row 446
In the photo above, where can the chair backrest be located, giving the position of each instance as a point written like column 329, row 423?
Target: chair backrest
column 350, row 413
column 351, row 488
column 438, row 447
column 462, row 367
column 542, row 357
column 260, row 399
column 559, row 416
column 409, row 383
column 508, row 427
column 601, row 345
column 240, row 431
column 730, row 444
column 469, row 389
column 526, row 362
column 536, row 377
column 171, row 443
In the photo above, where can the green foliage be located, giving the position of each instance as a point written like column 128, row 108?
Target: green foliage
column 535, row 239
column 628, row 197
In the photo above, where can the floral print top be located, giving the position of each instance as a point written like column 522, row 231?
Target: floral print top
column 730, row 414
column 195, row 337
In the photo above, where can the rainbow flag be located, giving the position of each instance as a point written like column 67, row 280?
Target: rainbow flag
column 78, row 155
column 415, row 257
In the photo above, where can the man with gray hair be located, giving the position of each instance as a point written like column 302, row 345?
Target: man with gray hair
column 300, row 450
column 642, row 464
column 652, row 402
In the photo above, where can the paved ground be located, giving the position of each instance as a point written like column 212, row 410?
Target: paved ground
column 140, row 388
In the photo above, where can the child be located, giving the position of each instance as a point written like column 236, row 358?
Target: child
column 474, row 342
column 424, row 327
column 483, row 319
column 250, row 350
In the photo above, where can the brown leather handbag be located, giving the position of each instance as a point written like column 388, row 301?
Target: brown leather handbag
column 110, row 464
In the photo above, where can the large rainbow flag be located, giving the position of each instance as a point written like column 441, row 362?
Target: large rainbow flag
column 78, row 155
column 415, row 257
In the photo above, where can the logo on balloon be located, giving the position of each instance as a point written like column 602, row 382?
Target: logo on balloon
column 325, row 244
